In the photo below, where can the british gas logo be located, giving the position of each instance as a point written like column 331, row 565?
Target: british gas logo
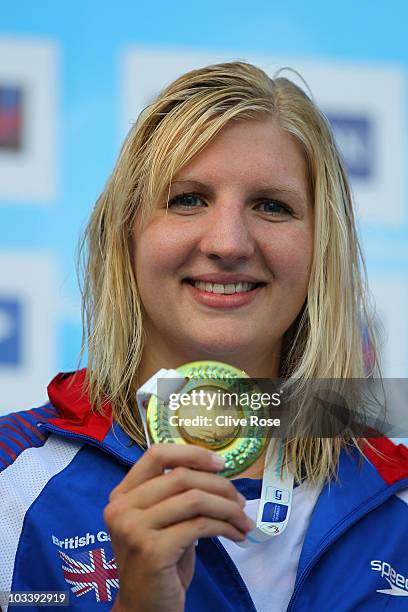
column 87, row 539
column 398, row 584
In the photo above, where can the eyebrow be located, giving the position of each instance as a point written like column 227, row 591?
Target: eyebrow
column 266, row 191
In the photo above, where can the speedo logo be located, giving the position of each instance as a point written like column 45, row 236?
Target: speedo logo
column 398, row 583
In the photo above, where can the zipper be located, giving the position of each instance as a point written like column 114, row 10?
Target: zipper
column 231, row 565
column 335, row 534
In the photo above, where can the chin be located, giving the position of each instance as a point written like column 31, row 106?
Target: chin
column 223, row 349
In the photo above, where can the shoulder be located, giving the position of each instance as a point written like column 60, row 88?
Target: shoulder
column 389, row 459
column 20, row 431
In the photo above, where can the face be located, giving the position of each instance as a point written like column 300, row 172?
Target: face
column 223, row 270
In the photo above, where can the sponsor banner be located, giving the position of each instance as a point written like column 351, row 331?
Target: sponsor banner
column 28, row 155
column 27, row 329
column 364, row 103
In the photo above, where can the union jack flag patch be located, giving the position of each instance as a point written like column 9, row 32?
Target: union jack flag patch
column 92, row 572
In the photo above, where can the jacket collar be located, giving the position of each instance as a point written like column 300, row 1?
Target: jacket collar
column 359, row 488
column 76, row 418
column 382, row 468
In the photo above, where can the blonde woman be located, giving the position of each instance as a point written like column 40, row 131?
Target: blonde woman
column 225, row 233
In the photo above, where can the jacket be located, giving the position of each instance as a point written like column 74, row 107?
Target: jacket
column 59, row 463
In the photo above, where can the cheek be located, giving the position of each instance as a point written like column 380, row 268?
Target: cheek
column 158, row 252
column 290, row 257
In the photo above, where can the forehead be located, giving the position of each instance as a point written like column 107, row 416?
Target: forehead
column 251, row 152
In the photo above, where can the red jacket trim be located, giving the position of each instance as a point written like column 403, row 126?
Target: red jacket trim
column 68, row 393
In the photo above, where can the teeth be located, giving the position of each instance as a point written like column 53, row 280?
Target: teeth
column 228, row 289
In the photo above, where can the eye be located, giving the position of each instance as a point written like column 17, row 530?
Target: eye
column 186, row 201
column 274, row 208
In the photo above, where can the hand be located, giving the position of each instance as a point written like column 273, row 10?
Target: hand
column 154, row 518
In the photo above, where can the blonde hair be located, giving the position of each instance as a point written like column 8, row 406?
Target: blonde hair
column 325, row 341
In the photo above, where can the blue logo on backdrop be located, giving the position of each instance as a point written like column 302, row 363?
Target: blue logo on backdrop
column 356, row 140
column 10, row 332
column 11, row 116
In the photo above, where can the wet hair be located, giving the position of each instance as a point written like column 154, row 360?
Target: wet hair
column 325, row 340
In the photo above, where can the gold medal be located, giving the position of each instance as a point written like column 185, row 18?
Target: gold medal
column 212, row 409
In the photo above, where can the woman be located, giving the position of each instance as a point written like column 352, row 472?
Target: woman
column 226, row 232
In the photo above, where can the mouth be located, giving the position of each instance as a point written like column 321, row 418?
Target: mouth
column 224, row 288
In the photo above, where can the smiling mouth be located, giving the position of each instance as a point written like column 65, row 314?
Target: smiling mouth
column 223, row 288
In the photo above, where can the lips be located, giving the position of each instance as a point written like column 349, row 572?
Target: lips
column 222, row 283
column 223, row 288
column 219, row 291
column 225, row 278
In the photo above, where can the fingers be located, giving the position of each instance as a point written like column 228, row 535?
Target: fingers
column 162, row 456
column 174, row 508
column 179, row 480
column 160, row 548
column 197, row 503
column 184, row 534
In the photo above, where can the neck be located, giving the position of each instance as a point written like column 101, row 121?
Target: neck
column 255, row 470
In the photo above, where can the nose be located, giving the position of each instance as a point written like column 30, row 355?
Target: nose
column 227, row 236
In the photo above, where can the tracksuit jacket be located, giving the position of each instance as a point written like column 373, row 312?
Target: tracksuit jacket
column 59, row 463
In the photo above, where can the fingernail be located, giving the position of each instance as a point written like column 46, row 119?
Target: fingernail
column 218, row 461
